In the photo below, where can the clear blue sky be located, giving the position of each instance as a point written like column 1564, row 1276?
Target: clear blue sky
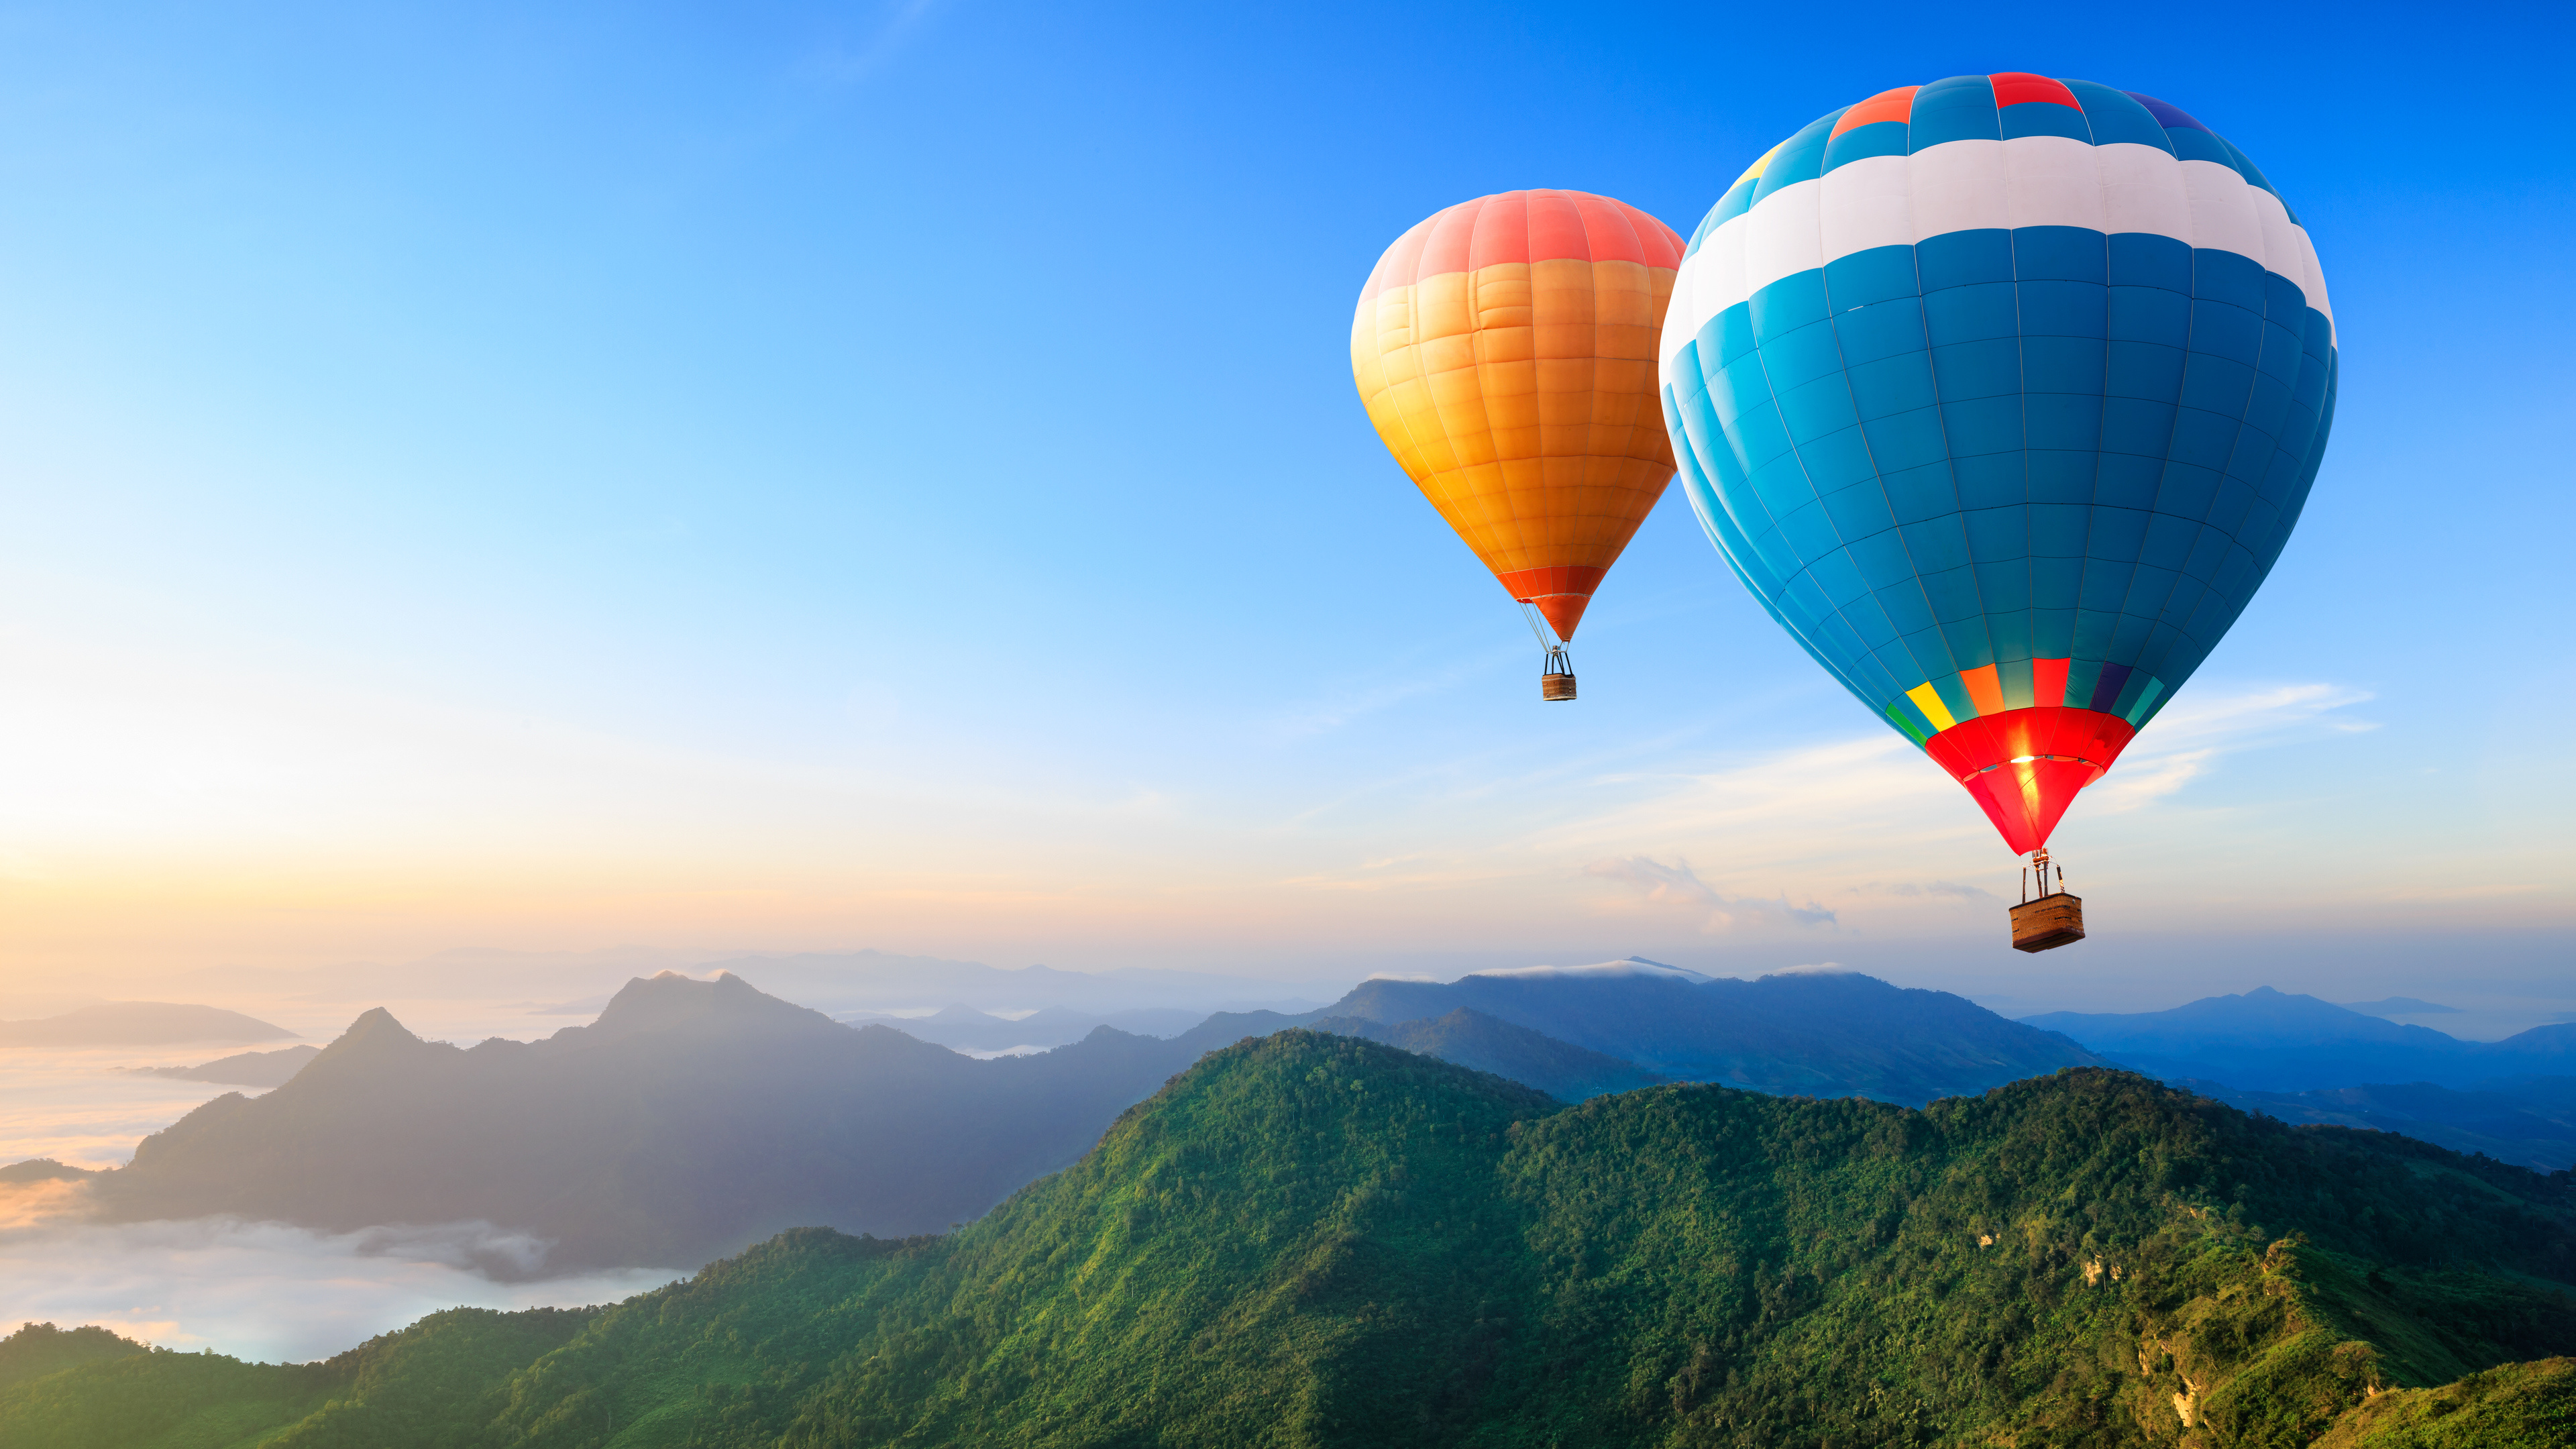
column 793, row 475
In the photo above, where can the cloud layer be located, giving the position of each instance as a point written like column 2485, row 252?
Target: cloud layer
column 267, row 1291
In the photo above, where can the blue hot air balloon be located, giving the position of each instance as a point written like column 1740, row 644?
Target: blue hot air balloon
column 2002, row 394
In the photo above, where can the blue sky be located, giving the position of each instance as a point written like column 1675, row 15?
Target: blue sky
column 798, row 476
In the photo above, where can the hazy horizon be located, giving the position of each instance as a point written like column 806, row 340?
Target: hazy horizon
column 2507, row 985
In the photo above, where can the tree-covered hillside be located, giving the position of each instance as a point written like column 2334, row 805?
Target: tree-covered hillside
column 1318, row 1240
column 38, row 1349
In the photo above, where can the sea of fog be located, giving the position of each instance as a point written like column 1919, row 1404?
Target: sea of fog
column 255, row 1290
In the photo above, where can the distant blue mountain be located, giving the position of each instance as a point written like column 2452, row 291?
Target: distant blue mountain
column 964, row 1029
column 1564, row 1071
column 2272, row 1041
column 2403, row 1006
column 1825, row 1034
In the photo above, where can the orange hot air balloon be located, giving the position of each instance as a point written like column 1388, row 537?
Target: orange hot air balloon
column 1506, row 349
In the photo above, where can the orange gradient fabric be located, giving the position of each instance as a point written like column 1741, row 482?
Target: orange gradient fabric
column 1506, row 351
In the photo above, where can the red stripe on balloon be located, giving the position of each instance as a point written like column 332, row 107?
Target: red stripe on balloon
column 2048, row 681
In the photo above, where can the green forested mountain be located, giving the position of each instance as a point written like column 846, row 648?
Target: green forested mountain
column 439, row 1382
column 1318, row 1240
column 39, row 1349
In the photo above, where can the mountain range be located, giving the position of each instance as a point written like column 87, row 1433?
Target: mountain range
column 880, row 981
column 2401, row 1006
column 563, row 982
column 2272, row 1041
column 1472, row 1039
column 695, row 1117
column 138, row 1023
column 1816, row 1033
column 1311, row 1239
column 690, row 1118
column 2527, row 1121
column 963, row 1028
column 241, row 1069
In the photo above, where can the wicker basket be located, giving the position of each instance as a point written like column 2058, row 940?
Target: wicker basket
column 2048, row 923
column 1556, row 686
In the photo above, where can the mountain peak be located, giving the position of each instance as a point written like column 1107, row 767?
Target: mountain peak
column 1624, row 966
column 374, row 1025
column 670, row 1000
column 372, row 1040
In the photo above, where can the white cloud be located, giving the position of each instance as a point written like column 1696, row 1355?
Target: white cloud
column 79, row 1107
column 1678, row 885
column 2262, row 710
column 271, row 1292
column 2137, row 782
column 2184, row 742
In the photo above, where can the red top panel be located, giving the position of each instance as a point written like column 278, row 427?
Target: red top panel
column 2012, row 87
column 1525, row 226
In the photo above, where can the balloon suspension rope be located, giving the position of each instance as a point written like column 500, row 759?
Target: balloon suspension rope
column 2039, row 862
column 1558, row 662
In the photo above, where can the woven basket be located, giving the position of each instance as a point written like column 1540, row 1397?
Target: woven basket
column 2048, row 923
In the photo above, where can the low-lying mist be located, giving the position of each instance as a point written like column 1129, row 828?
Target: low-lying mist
column 265, row 1291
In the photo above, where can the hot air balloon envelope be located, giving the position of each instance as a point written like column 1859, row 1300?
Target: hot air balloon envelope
column 2002, row 394
column 1506, row 351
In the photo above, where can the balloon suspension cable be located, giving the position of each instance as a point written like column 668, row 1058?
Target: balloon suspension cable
column 1556, row 676
column 2039, row 863
column 1558, row 661
column 1537, row 621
